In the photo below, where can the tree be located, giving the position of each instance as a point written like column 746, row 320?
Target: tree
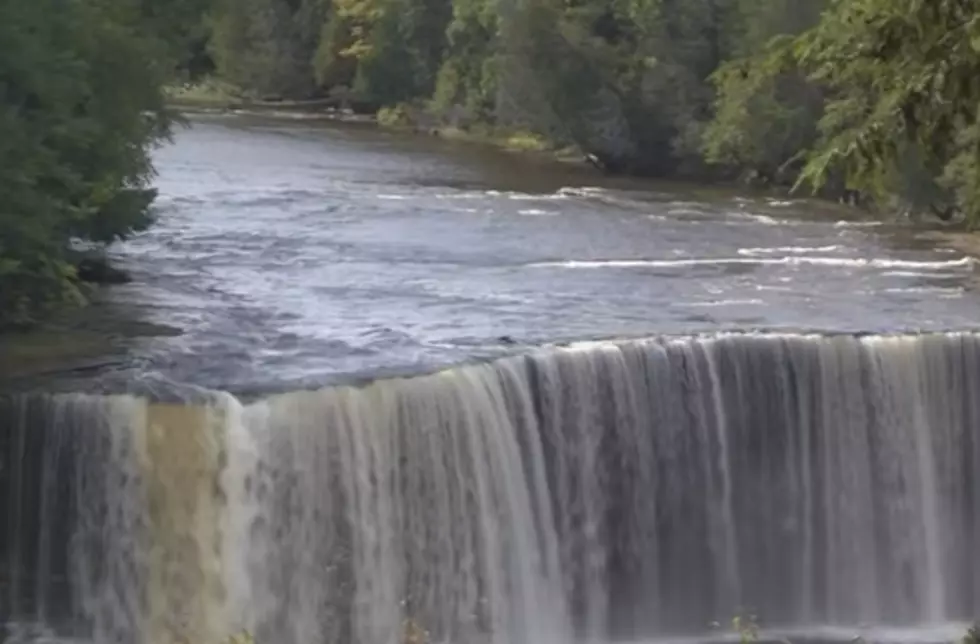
column 766, row 110
column 900, row 99
column 900, row 77
column 467, row 77
column 267, row 47
column 81, row 104
column 390, row 51
column 626, row 81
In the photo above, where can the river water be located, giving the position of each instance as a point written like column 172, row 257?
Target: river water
column 700, row 405
column 288, row 252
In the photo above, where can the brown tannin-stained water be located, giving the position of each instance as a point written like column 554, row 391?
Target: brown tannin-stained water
column 821, row 474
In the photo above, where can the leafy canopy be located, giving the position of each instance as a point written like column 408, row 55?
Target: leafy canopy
column 899, row 82
column 81, row 105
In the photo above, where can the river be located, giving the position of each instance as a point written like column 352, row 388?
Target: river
column 290, row 252
column 679, row 405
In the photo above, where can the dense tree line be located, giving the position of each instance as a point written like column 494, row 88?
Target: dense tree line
column 873, row 98
column 81, row 103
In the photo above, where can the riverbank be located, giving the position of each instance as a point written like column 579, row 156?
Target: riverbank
column 215, row 98
column 516, row 141
column 218, row 98
column 419, row 121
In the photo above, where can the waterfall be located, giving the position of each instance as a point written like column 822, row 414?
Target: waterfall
column 596, row 492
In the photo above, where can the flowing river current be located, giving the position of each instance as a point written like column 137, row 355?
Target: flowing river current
column 423, row 387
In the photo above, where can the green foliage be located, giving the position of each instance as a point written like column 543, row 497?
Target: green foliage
column 467, row 77
column 627, row 81
column 397, row 45
column 81, row 104
column 899, row 75
column 765, row 111
column 900, row 100
column 877, row 97
column 268, row 47
column 394, row 116
column 766, row 114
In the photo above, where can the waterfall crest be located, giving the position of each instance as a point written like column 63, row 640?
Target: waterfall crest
column 596, row 492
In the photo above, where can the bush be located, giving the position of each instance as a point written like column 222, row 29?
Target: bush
column 82, row 105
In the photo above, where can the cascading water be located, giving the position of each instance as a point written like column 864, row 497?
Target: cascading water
column 604, row 491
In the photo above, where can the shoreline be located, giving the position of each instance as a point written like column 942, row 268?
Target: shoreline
column 216, row 97
column 953, row 235
column 514, row 141
column 518, row 142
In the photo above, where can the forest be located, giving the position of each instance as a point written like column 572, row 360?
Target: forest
column 875, row 101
